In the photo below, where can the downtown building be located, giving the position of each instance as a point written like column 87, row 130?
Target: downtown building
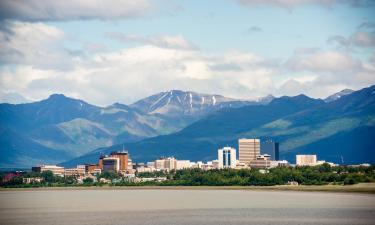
column 261, row 162
column 248, row 149
column 168, row 163
column 226, row 158
column 270, row 148
column 306, row 160
column 56, row 170
column 118, row 161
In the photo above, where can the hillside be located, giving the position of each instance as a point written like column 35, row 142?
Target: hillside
column 335, row 130
column 75, row 127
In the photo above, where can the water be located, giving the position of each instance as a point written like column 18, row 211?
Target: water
column 156, row 207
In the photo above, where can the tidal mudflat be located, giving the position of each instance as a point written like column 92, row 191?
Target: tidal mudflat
column 116, row 207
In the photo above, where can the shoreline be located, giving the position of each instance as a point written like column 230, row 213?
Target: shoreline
column 365, row 188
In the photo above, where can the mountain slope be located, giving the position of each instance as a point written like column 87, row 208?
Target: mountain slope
column 77, row 127
column 18, row 151
column 300, row 124
column 201, row 140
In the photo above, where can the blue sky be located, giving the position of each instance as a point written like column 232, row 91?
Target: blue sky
column 221, row 25
column 242, row 49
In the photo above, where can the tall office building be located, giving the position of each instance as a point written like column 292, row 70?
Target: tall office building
column 249, row 149
column 227, row 157
column 123, row 156
column 271, row 148
column 100, row 164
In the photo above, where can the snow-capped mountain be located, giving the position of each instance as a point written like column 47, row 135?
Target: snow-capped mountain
column 338, row 95
column 177, row 103
column 73, row 127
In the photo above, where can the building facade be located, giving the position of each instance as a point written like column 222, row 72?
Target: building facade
column 182, row 164
column 111, row 164
column 249, row 149
column 56, row 170
column 77, row 172
column 227, row 158
column 169, row 163
column 123, row 157
column 271, row 148
column 261, row 162
column 306, row 160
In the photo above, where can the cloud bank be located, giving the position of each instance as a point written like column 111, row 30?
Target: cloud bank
column 295, row 3
column 46, row 10
column 35, row 64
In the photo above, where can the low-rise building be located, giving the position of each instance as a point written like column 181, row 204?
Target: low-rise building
column 166, row 163
column 182, row 164
column 261, row 162
column 143, row 169
column 306, row 160
column 56, row 170
column 241, row 165
column 30, row 180
column 80, row 171
column 90, row 168
column 280, row 163
column 96, row 171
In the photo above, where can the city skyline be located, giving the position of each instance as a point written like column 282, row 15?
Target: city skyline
column 187, row 112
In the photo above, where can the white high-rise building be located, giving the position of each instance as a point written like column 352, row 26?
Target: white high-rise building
column 227, row 157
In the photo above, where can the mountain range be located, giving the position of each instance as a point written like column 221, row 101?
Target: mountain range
column 66, row 128
column 186, row 125
column 340, row 131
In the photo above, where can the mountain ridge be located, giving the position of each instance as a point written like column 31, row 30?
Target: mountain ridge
column 300, row 125
column 77, row 127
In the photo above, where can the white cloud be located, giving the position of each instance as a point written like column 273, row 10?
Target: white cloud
column 33, row 44
column 361, row 39
column 294, row 3
column 254, row 29
column 364, row 38
column 126, row 75
column 322, row 61
column 164, row 41
column 46, row 10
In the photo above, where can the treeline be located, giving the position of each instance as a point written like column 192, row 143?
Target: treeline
column 318, row 175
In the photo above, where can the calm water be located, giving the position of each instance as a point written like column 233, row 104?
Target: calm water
column 116, row 207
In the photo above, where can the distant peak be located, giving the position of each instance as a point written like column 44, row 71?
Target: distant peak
column 118, row 105
column 338, row 95
column 347, row 90
column 301, row 96
column 57, row 96
column 63, row 98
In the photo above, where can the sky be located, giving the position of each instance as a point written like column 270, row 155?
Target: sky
column 124, row 50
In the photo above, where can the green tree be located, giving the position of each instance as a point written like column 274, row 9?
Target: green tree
column 47, row 176
column 88, row 180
